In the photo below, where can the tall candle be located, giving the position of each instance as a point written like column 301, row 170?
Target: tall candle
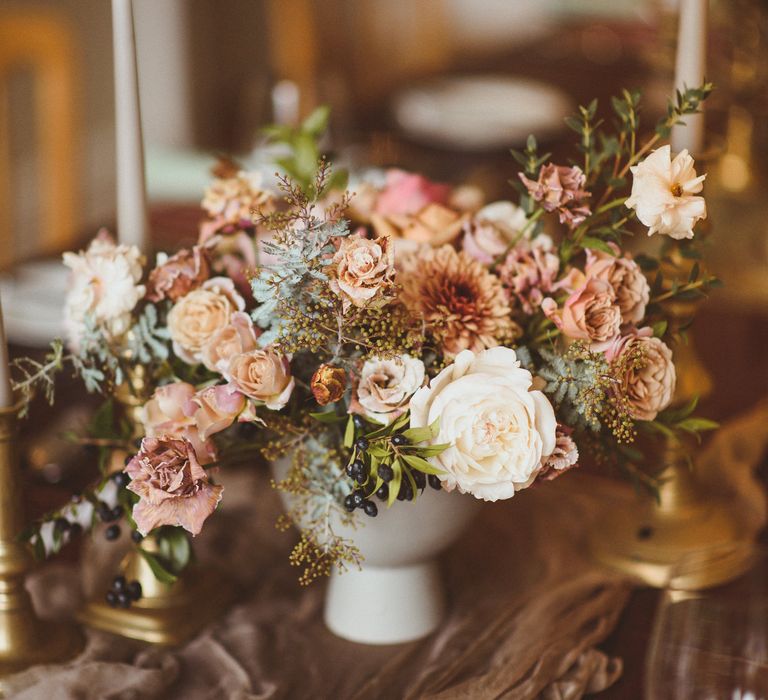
column 132, row 223
column 690, row 66
column 6, row 394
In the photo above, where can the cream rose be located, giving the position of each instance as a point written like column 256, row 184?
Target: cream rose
column 263, row 375
column 234, row 339
column 199, row 315
column 362, row 268
column 386, row 384
column 499, row 430
column 649, row 389
column 664, row 193
column 626, row 278
column 492, row 230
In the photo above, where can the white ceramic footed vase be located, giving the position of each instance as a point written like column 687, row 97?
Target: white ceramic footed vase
column 398, row 596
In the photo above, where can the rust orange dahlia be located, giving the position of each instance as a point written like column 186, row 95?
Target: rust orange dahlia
column 462, row 303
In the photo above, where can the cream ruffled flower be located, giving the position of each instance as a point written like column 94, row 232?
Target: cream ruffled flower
column 386, row 384
column 104, row 287
column 664, row 193
column 499, row 429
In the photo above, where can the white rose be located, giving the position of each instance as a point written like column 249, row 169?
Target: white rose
column 387, row 384
column 498, row 428
column 664, row 194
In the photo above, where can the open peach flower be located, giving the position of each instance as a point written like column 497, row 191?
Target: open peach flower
column 363, row 268
column 199, row 315
column 589, row 314
column 172, row 487
column 167, row 414
column 215, row 408
column 236, row 338
column 263, row 375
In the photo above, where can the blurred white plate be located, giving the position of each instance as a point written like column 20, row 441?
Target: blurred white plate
column 480, row 112
column 33, row 302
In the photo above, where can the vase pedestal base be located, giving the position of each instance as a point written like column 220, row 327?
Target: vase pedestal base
column 385, row 605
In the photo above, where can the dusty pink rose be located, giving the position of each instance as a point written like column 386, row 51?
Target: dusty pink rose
column 263, row 375
column 490, row 232
column 408, row 193
column 565, row 456
column 529, row 271
column 166, row 415
column 234, row 339
column 199, row 315
column 626, row 278
column 561, row 188
column 172, row 487
column 214, row 409
column 178, row 275
column 362, row 268
column 650, row 388
column 590, row 314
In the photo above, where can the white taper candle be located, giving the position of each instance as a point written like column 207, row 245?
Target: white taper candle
column 6, row 394
column 132, row 223
column 690, row 67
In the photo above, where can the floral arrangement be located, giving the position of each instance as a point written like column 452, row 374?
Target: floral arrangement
column 405, row 336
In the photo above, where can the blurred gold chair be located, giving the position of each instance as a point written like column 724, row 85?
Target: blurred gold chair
column 42, row 42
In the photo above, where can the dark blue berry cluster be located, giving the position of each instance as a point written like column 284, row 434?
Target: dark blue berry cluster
column 123, row 593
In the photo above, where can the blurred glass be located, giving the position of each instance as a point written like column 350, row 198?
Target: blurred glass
column 712, row 644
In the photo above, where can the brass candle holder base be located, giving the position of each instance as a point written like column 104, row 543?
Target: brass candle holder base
column 649, row 542
column 166, row 614
column 25, row 639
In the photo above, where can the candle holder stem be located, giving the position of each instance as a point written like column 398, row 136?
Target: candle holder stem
column 25, row 639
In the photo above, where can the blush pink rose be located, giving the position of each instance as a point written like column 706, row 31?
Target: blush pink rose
column 362, row 268
column 179, row 275
column 650, row 388
column 626, row 278
column 214, row 409
column 166, row 415
column 589, row 314
column 172, row 487
column 408, row 193
column 234, row 339
column 561, row 188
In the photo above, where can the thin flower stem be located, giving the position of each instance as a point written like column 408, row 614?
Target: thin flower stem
column 673, row 293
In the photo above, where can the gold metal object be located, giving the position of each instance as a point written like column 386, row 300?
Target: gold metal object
column 649, row 540
column 166, row 614
column 25, row 639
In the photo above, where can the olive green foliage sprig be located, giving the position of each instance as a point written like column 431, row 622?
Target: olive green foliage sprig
column 300, row 164
column 387, row 460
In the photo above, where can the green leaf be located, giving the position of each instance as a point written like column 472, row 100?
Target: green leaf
column 317, row 122
column 394, row 485
column 416, row 435
column 327, row 417
column 530, row 144
column 174, row 547
column 659, row 329
column 349, row 433
column 427, row 450
column 159, row 571
column 597, row 244
column 694, row 273
column 421, row 464
column 696, row 425
column 306, row 157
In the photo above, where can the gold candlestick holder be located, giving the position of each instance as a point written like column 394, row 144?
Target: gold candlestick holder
column 25, row 639
column 648, row 540
column 166, row 614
